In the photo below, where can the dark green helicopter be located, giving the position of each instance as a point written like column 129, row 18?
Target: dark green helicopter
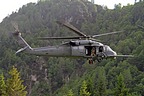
column 85, row 46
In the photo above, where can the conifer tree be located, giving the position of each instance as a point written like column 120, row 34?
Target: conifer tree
column 83, row 90
column 70, row 93
column 2, row 86
column 121, row 89
column 14, row 84
column 101, row 82
column 90, row 86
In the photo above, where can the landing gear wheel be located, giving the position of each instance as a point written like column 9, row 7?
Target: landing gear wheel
column 100, row 57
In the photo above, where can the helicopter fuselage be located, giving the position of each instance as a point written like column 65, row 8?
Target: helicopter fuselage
column 79, row 48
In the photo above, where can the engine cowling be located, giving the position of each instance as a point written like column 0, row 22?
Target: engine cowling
column 81, row 42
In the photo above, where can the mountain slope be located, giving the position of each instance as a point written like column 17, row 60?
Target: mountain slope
column 56, row 76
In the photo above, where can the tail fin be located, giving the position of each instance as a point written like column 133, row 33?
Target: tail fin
column 21, row 42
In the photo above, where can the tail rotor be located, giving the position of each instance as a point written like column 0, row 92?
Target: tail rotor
column 19, row 38
column 15, row 25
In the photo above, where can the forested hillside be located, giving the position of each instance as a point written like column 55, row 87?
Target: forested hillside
column 47, row 76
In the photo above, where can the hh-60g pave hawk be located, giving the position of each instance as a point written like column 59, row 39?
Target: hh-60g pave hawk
column 85, row 46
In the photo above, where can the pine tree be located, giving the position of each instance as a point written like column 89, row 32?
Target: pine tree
column 14, row 84
column 121, row 89
column 83, row 90
column 70, row 93
column 90, row 86
column 2, row 86
column 101, row 82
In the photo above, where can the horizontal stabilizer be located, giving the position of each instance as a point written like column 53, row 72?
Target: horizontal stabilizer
column 22, row 49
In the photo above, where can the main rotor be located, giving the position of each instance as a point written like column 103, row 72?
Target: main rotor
column 80, row 34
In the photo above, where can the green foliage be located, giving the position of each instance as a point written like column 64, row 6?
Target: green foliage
column 83, row 89
column 55, row 76
column 14, row 84
column 70, row 93
column 41, row 88
column 101, row 82
column 121, row 89
column 2, row 86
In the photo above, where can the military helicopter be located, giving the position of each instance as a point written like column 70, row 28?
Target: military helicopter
column 85, row 46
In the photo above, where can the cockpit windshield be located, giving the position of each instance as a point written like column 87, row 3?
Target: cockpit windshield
column 107, row 48
column 109, row 51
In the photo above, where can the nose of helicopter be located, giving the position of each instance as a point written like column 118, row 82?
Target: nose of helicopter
column 110, row 52
column 115, row 54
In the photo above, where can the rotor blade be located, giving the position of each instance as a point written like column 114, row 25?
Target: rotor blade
column 121, row 56
column 124, row 56
column 71, row 27
column 47, row 38
column 107, row 33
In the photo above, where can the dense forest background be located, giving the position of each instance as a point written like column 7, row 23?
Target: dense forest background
column 47, row 76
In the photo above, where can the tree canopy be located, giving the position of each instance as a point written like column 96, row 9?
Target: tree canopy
column 47, row 76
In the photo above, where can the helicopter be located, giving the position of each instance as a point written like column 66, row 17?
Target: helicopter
column 84, row 46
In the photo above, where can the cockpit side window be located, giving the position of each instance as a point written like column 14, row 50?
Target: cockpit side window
column 101, row 49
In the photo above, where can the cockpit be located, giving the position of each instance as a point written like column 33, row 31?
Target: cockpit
column 109, row 51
